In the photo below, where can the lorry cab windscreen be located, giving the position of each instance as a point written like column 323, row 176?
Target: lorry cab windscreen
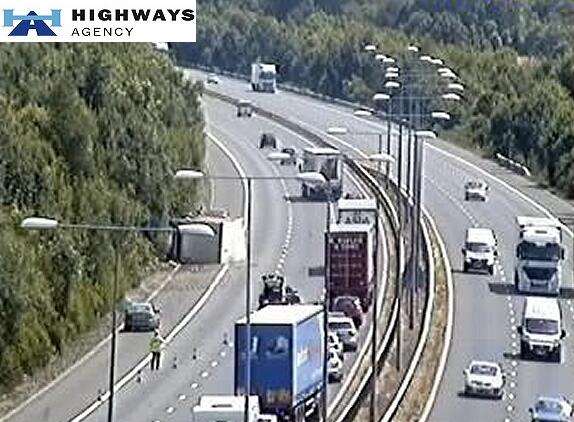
column 267, row 75
column 535, row 273
column 541, row 326
column 547, row 252
column 477, row 247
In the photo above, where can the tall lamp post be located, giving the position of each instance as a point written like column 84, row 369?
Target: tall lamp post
column 310, row 177
column 40, row 223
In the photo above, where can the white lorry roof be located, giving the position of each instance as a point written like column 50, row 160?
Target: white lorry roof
column 479, row 235
column 266, row 67
column 350, row 228
column 541, row 307
column 524, row 222
column 224, row 408
column 282, row 314
column 357, row 204
column 322, row 151
column 537, row 234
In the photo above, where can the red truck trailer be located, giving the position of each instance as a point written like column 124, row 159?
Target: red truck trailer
column 349, row 254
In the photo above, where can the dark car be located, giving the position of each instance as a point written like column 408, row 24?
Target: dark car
column 141, row 317
column 351, row 307
column 268, row 140
column 292, row 160
column 277, row 292
column 244, row 108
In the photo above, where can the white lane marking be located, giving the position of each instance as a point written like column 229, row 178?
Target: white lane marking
column 133, row 372
column 194, row 385
column 170, row 410
column 214, row 364
column 204, row 374
column 181, row 397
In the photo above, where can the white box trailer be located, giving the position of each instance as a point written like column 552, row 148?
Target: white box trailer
column 356, row 211
column 228, row 409
column 227, row 245
column 264, row 77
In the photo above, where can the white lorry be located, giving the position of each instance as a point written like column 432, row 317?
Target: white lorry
column 263, row 77
column 228, row 409
column 538, row 256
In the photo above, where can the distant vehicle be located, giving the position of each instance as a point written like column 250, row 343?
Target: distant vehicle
column 484, row 379
column 244, row 108
column 350, row 253
column 286, row 361
column 335, row 344
column 551, row 409
column 292, row 160
column 346, row 331
column 263, row 77
column 476, row 190
column 539, row 253
column 480, row 250
column 541, row 332
column 277, row 292
column 141, row 317
column 268, row 140
column 228, row 409
column 326, row 161
column 356, row 210
column 334, row 367
column 351, row 307
column 212, row 78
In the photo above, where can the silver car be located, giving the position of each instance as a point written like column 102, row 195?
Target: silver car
column 551, row 409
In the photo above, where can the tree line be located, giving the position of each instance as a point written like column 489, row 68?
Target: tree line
column 519, row 95
column 88, row 133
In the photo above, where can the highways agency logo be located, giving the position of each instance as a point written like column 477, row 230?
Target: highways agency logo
column 127, row 21
column 31, row 22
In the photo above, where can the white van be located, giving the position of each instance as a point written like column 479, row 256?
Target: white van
column 541, row 332
column 479, row 250
column 228, row 409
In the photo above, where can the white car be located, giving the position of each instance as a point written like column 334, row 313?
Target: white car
column 334, row 367
column 212, row 78
column 335, row 344
column 475, row 190
column 551, row 409
column 483, row 378
column 346, row 331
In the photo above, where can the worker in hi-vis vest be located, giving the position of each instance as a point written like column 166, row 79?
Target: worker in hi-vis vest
column 155, row 346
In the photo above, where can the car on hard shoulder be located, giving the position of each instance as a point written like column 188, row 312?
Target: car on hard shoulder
column 244, row 108
column 476, row 190
column 551, row 409
column 346, row 331
column 268, row 140
column 141, row 316
column 212, row 78
column 292, row 160
column 334, row 367
column 351, row 307
column 483, row 378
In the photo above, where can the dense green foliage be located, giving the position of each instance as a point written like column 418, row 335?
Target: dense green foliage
column 88, row 133
column 519, row 96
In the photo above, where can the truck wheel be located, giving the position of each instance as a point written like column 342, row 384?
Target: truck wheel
column 305, row 191
column 524, row 351
column 491, row 270
column 253, row 87
column 465, row 267
column 516, row 282
column 557, row 354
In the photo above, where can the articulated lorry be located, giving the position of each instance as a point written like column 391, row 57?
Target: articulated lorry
column 286, row 360
column 264, row 77
column 349, row 250
column 539, row 255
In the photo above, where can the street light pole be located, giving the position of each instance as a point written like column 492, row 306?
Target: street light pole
column 248, row 302
column 113, row 342
column 398, row 286
column 326, row 302
column 373, row 409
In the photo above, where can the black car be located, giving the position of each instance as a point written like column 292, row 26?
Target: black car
column 292, row 160
column 268, row 140
column 141, row 317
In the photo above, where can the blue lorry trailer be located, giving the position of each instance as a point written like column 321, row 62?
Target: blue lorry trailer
column 286, row 360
